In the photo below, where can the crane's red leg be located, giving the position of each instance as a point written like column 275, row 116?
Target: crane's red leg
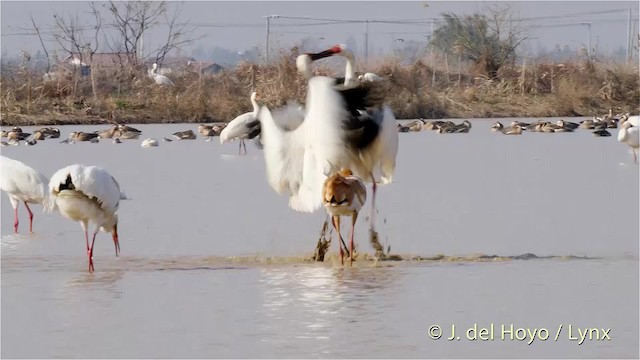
column 354, row 217
column 30, row 218
column 373, row 202
column 91, row 269
column 116, row 243
column 336, row 225
column 15, row 220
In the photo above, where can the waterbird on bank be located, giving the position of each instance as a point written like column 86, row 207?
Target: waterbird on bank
column 601, row 132
column 82, row 136
column 87, row 194
column 126, row 134
column 22, row 183
column 150, row 142
column 184, row 135
column 50, row 132
column 514, row 129
column 344, row 194
column 38, row 135
column 629, row 134
column 415, row 125
column 245, row 126
column 159, row 79
column 567, row 124
column 108, row 133
column 586, row 124
column 370, row 77
column 17, row 134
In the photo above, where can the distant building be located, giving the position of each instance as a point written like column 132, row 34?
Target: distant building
column 102, row 60
column 205, row 67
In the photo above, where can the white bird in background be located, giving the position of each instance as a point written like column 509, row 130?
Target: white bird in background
column 628, row 134
column 87, row 194
column 22, row 184
column 245, row 126
column 150, row 142
column 369, row 77
column 159, row 79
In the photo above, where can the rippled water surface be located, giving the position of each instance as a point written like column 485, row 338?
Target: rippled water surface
column 213, row 262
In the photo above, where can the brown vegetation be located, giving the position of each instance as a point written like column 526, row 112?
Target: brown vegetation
column 128, row 95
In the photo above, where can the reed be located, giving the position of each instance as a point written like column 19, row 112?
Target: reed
column 533, row 89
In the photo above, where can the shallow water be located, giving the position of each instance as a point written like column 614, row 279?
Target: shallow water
column 213, row 262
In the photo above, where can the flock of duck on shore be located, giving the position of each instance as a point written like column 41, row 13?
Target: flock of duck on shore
column 598, row 124
column 119, row 132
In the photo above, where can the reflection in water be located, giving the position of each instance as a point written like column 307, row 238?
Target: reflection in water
column 13, row 242
column 320, row 303
column 311, row 290
column 101, row 286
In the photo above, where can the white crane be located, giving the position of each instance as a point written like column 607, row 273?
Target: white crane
column 372, row 130
column 329, row 138
column 88, row 194
column 159, row 79
column 628, row 134
column 245, row 126
column 24, row 184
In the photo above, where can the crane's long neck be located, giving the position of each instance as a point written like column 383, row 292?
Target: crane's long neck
column 256, row 107
column 349, row 72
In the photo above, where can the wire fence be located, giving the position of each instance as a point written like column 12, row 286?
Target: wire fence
column 397, row 36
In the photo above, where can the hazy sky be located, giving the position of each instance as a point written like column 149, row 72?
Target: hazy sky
column 608, row 31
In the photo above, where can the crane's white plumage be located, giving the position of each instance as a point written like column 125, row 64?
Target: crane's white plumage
column 24, row 184
column 300, row 160
column 87, row 194
column 159, row 79
column 290, row 162
column 634, row 120
column 629, row 134
column 243, row 126
column 369, row 77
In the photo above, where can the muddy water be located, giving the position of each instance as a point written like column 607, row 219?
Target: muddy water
column 214, row 264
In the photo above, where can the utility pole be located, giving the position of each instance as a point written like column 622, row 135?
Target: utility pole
column 629, row 40
column 269, row 17
column 433, row 67
column 588, row 24
column 366, row 42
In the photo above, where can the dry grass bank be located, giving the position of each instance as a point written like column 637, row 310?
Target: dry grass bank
column 129, row 95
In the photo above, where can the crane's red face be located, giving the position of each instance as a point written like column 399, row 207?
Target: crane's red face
column 336, row 49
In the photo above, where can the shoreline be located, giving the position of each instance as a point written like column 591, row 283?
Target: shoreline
column 32, row 120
